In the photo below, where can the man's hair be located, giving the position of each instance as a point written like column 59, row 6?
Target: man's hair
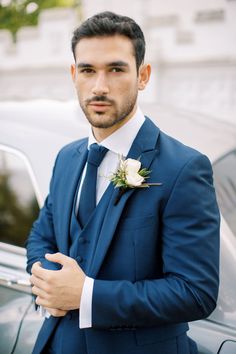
column 109, row 24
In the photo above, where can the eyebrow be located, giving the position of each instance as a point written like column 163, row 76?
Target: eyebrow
column 114, row 63
column 118, row 63
column 84, row 65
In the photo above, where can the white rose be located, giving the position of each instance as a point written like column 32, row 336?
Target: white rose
column 132, row 166
column 133, row 179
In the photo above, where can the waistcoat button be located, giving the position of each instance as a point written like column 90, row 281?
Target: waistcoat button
column 79, row 259
column 69, row 315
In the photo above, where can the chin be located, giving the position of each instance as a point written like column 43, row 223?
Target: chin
column 99, row 120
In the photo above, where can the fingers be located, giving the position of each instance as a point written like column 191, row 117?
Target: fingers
column 39, row 292
column 35, row 268
column 37, row 264
column 59, row 258
column 38, row 271
column 59, row 289
column 48, row 302
column 56, row 312
column 43, row 301
column 42, row 273
column 39, row 283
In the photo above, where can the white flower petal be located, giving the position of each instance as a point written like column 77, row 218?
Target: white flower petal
column 134, row 179
column 132, row 166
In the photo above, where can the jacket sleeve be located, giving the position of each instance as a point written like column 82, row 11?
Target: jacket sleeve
column 41, row 239
column 190, row 253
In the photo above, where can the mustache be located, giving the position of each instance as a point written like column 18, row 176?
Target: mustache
column 99, row 99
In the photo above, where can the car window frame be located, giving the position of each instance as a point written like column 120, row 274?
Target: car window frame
column 29, row 169
column 214, row 164
column 35, row 186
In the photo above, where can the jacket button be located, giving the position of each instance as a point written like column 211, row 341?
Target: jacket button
column 82, row 240
column 79, row 259
column 69, row 315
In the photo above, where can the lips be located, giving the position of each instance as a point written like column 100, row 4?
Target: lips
column 99, row 106
column 98, row 103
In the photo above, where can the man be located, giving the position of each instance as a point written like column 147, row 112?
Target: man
column 125, row 275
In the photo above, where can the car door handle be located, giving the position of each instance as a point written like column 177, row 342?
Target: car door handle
column 14, row 281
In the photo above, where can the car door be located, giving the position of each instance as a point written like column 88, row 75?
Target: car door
column 217, row 334
column 18, row 209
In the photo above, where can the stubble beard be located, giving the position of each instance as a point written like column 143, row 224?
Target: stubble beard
column 107, row 120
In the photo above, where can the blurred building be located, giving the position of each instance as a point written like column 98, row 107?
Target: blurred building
column 38, row 64
column 190, row 44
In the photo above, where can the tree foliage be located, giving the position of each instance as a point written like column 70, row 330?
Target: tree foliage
column 15, row 14
column 16, row 219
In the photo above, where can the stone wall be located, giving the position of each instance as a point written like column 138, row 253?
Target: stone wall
column 190, row 44
column 38, row 65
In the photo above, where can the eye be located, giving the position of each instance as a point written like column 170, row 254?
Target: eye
column 116, row 70
column 87, row 70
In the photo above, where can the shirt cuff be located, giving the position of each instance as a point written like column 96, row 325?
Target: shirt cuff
column 85, row 313
column 42, row 312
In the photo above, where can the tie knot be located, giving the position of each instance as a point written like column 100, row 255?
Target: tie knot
column 96, row 154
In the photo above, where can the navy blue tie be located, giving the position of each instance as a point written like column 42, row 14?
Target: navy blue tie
column 87, row 201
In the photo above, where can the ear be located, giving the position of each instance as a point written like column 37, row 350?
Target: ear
column 144, row 75
column 73, row 72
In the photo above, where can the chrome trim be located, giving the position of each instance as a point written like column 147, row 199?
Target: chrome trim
column 13, row 249
column 29, row 168
column 14, row 281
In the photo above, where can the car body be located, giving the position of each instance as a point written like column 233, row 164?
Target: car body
column 31, row 134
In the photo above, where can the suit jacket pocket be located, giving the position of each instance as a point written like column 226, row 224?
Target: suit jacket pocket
column 134, row 223
column 121, row 260
column 137, row 239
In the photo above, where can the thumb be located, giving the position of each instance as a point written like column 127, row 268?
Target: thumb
column 58, row 258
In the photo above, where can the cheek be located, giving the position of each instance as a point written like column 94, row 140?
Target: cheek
column 82, row 83
column 82, row 89
column 126, row 88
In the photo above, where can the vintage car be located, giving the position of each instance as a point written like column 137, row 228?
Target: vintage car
column 31, row 133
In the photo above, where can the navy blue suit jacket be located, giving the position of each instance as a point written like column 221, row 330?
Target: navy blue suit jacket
column 156, row 261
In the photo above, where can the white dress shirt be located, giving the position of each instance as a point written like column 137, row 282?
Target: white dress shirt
column 118, row 144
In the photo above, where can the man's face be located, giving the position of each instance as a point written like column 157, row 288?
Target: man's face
column 106, row 79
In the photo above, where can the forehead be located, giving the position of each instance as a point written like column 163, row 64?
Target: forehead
column 104, row 49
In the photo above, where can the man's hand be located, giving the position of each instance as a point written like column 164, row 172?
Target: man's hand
column 59, row 290
column 55, row 312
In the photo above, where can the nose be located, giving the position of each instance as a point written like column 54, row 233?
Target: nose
column 100, row 85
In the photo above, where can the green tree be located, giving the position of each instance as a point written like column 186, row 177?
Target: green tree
column 15, row 14
column 15, row 219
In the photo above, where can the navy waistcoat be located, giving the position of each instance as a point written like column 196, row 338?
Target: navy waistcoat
column 82, row 247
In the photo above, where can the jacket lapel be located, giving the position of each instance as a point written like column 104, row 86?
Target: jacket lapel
column 144, row 148
column 74, row 171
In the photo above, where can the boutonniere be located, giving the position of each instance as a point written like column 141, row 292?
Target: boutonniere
column 130, row 175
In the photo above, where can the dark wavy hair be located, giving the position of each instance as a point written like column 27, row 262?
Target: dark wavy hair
column 109, row 24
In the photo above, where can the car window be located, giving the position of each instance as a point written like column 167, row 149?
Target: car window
column 225, row 182
column 18, row 203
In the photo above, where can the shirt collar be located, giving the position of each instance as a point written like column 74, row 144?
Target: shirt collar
column 121, row 140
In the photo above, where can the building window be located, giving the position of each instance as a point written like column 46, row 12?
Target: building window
column 205, row 16
column 18, row 203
